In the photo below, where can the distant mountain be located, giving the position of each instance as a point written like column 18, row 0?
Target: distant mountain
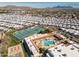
column 10, row 6
column 16, row 7
column 63, row 7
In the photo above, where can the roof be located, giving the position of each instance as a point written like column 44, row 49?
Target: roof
column 68, row 51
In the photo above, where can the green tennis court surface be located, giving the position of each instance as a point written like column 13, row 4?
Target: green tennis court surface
column 27, row 32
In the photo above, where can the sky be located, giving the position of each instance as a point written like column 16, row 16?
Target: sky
column 41, row 4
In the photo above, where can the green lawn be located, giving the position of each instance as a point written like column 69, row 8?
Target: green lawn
column 12, row 39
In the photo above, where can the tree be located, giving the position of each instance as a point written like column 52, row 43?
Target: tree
column 41, row 50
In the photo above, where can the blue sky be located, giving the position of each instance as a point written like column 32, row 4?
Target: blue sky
column 41, row 4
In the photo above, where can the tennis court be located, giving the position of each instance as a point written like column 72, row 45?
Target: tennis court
column 27, row 32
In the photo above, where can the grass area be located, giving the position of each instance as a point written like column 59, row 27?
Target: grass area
column 13, row 40
column 4, row 53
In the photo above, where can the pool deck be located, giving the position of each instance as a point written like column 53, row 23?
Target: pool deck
column 37, row 41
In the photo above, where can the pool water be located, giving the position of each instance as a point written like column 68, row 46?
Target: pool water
column 48, row 42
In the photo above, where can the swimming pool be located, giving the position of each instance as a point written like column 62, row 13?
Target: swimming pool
column 48, row 42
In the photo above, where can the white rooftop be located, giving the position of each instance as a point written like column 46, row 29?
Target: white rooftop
column 67, row 50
